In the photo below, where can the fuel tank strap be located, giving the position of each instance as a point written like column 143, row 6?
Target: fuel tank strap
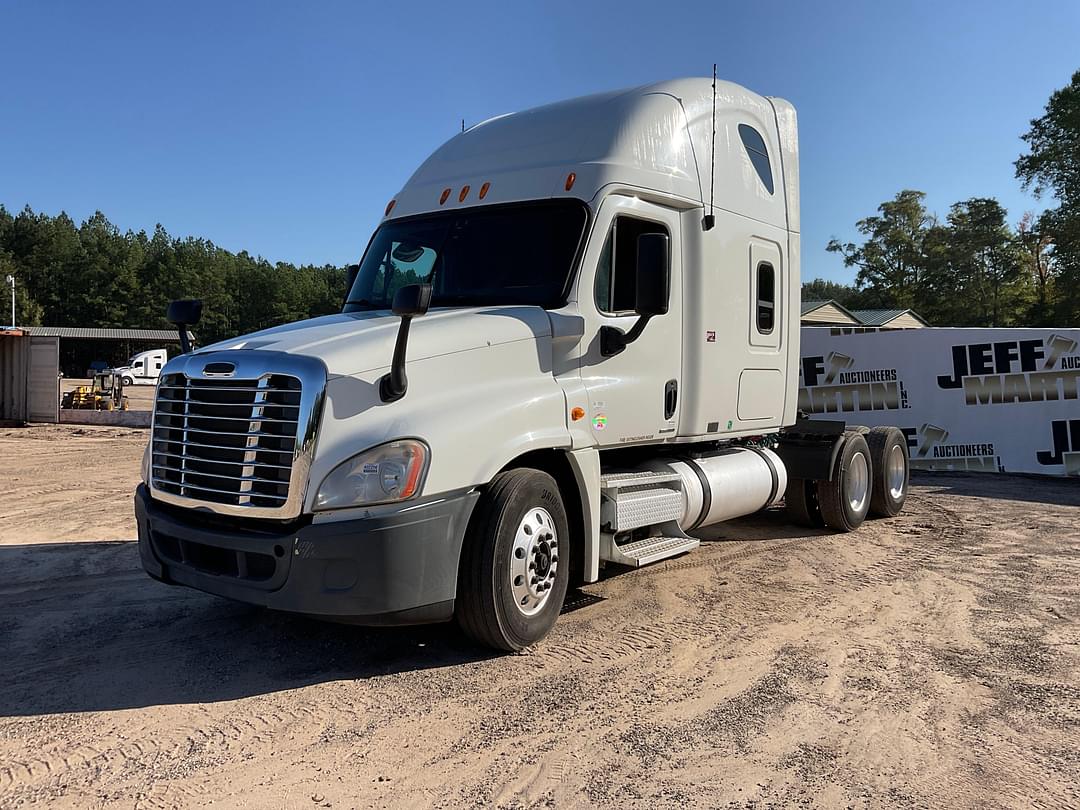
column 706, row 491
column 772, row 471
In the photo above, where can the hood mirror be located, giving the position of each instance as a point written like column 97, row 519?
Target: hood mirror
column 182, row 314
column 409, row 301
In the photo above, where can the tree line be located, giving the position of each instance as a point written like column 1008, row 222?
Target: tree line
column 974, row 268
column 92, row 274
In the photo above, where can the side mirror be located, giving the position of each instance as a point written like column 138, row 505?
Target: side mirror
column 413, row 299
column 351, row 272
column 653, row 274
column 652, row 292
column 182, row 314
column 409, row 302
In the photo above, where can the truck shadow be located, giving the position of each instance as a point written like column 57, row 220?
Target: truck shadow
column 84, row 629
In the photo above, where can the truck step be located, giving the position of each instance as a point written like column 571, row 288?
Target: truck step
column 649, row 550
column 615, row 481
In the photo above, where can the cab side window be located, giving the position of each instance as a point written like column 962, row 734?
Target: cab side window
column 766, row 298
column 616, row 271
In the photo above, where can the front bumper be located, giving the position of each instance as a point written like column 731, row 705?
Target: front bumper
column 390, row 567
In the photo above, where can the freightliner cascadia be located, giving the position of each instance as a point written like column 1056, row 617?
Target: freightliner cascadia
column 572, row 341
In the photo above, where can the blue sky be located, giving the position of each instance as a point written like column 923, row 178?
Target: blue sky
column 283, row 128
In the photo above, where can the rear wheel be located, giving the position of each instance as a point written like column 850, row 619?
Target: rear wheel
column 515, row 563
column 845, row 499
column 889, row 461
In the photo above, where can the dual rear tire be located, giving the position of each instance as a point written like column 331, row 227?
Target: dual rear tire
column 870, row 476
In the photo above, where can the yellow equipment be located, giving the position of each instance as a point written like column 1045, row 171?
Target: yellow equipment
column 105, row 393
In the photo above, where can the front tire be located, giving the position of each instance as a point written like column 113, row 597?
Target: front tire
column 845, row 499
column 127, row 380
column 515, row 564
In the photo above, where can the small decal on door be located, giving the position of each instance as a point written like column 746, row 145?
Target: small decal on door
column 710, row 336
column 599, row 422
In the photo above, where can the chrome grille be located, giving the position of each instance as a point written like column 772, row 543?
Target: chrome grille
column 226, row 441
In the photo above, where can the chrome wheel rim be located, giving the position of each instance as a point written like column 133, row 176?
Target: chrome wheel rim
column 534, row 561
column 856, row 482
column 895, row 472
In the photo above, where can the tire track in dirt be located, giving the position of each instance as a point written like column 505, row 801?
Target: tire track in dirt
column 622, row 642
column 228, row 736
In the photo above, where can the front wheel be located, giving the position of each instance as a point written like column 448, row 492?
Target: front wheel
column 515, row 564
column 127, row 380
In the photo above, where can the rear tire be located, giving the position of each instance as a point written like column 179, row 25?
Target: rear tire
column 891, row 466
column 845, row 500
column 515, row 564
column 800, row 500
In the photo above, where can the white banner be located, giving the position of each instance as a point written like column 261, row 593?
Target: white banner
column 995, row 400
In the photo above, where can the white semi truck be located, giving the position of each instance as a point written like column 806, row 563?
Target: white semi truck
column 572, row 341
column 143, row 368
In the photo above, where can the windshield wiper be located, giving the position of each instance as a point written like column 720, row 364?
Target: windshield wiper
column 363, row 302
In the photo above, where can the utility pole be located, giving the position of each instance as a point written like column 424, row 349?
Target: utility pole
column 11, row 281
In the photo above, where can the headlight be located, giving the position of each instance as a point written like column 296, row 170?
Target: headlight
column 384, row 474
column 146, row 464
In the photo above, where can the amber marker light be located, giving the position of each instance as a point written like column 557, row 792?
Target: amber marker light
column 484, row 190
column 414, row 471
column 444, row 196
column 577, row 414
column 570, row 178
column 389, row 208
column 464, row 193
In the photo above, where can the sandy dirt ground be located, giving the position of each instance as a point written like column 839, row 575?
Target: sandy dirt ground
column 927, row 661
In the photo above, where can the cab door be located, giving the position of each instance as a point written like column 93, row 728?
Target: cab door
column 633, row 396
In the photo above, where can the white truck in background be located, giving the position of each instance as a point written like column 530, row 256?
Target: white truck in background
column 572, row 341
column 143, row 368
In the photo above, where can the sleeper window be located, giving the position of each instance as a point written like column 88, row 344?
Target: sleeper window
column 616, row 271
column 758, row 154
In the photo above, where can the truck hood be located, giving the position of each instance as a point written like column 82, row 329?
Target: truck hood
column 352, row 343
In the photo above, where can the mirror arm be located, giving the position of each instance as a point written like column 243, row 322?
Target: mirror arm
column 394, row 384
column 613, row 341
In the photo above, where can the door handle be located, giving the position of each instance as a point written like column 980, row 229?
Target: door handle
column 671, row 398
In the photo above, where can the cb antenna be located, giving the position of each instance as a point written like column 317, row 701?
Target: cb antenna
column 709, row 220
column 462, row 124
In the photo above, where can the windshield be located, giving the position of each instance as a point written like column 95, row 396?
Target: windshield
column 514, row 254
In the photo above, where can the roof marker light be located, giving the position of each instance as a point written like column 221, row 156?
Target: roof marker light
column 389, row 208
column 464, row 193
column 484, row 190
column 570, row 178
column 444, row 196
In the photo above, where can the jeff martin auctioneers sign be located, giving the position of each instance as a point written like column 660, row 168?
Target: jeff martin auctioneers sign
column 995, row 400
